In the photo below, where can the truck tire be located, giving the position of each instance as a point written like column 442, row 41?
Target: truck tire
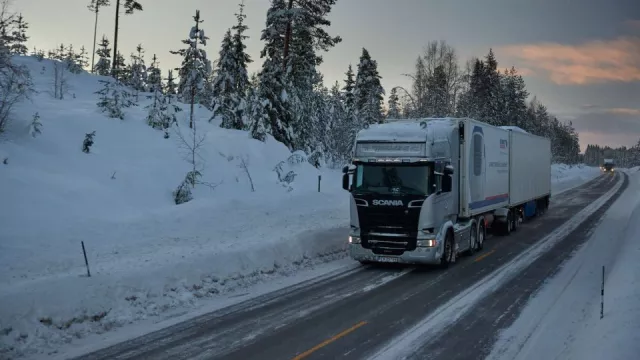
column 514, row 218
column 448, row 252
column 482, row 235
column 473, row 239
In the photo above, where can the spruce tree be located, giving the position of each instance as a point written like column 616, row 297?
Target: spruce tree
column 196, row 67
column 138, row 73
column 103, row 66
column 274, row 115
column 368, row 91
column 394, row 106
column 226, row 100
column 19, row 36
column 242, row 58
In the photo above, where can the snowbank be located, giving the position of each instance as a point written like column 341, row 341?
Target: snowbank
column 147, row 256
column 562, row 321
column 565, row 177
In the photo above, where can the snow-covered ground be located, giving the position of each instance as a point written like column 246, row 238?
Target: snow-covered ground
column 562, row 321
column 149, row 258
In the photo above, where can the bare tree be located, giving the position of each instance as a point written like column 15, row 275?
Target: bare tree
column 245, row 166
column 60, row 80
column 15, row 80
column 437, row 56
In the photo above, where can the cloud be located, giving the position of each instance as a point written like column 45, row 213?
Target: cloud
column 607, row 122
column 599, row 61
column 634, row 25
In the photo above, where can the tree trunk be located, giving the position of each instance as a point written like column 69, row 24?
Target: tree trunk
column 115, row 42
column 95, row 31
column 287, row 39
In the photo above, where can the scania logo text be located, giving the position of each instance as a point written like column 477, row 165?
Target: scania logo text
column 387, row 203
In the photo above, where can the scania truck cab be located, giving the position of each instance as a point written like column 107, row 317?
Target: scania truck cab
column 401, row 181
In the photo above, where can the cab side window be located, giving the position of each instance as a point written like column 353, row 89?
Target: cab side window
column 438, row 169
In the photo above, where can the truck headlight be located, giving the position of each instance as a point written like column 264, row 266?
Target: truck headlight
column 354, row 240
column 427, row 243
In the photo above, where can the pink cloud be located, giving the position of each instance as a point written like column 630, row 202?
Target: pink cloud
column 598, row 61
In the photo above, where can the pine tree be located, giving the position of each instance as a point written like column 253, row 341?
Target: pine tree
column 368, row 91
column 273, row 116
column 171, row 88
column 242, row 58
column 19, row 36
column 336, row 136
column 349, row 86
column 394, row 109
column 130, row 7
column 225, row 91
column 114, row 98
column 94, row 7
column 72, row 60
column 154, row 79
column 138, row 75
column 121, row 72
column 196, row 68
column 83, row 59
column 514, row 98
column 308, row 37
column 438, row 93
column 103, row 66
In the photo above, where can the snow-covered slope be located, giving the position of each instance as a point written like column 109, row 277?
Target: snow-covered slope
column 118, row 200
column 148, row 257
column 562, row 321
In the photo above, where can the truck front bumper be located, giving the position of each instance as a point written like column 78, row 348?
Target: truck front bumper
column 421, row 255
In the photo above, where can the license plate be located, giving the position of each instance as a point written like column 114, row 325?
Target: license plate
column 387, row 259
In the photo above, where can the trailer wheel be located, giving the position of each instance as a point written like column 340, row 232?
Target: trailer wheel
column 514, row 218
column 448, row 251
column 506, row 227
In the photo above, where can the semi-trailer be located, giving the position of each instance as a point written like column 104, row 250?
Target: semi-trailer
column 422, row 191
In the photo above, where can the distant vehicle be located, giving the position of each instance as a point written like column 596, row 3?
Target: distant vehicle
column 608, row 165
column 425, row 190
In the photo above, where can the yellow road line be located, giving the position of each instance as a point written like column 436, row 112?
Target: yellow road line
column 330, row 340
column 483, row 256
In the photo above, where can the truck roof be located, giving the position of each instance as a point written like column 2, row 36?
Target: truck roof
column 514, row 128
column 408, row 130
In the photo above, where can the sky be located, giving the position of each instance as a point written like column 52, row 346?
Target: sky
column 580, row 58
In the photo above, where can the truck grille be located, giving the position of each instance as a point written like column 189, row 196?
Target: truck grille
column 388, row 230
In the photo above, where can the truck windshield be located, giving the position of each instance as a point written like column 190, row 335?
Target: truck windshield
column 409, row 179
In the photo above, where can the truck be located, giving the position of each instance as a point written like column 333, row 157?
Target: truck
column 424, row 191
column 608, row 165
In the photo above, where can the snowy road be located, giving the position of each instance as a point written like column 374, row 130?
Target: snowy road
column 358, row 312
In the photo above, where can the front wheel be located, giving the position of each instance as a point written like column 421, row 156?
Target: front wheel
column 482, row 234
column 448, row 252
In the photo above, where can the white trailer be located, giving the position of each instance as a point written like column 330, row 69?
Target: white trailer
column 529, row 172
column 425, row 190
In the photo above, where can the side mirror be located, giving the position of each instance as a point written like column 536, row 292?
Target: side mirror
column 345, row 169
column 448, row 170
column 345, row 182
column 447, row 184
